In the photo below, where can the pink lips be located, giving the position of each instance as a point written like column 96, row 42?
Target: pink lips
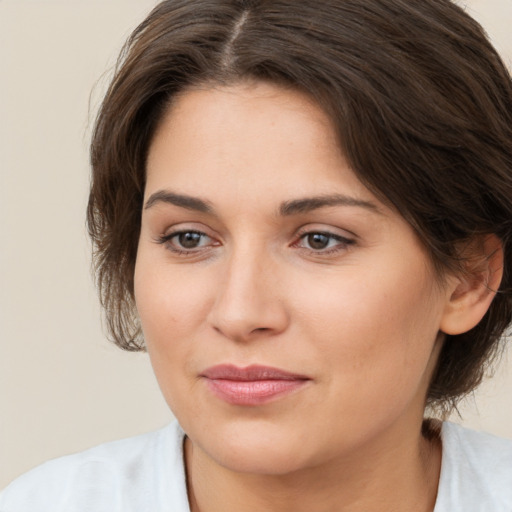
column 252, row 385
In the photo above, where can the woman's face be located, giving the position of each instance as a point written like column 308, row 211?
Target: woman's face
column 291, row 318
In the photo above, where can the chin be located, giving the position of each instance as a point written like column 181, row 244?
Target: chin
column 261, row 460
column 261, row 451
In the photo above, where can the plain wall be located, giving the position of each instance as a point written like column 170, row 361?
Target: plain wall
column 63, row 387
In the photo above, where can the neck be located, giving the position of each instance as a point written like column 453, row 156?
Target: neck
column 399, row 473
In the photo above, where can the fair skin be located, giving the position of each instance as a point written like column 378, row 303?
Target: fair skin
column 238, row 266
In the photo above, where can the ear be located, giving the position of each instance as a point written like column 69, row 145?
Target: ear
column 470, row 294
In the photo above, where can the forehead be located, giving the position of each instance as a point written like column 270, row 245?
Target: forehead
column 256, row 135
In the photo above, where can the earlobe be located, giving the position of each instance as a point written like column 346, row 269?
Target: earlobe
column 471, row 293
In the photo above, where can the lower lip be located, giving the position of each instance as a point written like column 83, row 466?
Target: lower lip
column 254, row 392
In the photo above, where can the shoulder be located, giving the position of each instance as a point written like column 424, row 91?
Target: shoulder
column 476, row 471
column 116, row 476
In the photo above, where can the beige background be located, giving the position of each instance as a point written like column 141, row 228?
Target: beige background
column 63, row 388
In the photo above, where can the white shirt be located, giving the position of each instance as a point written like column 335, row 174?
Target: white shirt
column 146, row 474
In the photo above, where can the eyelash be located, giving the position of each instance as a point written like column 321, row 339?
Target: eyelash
column 166, row 240
column 342, row 245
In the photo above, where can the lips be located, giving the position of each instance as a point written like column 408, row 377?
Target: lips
column 252, row 385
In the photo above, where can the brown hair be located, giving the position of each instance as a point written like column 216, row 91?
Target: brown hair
column 421, row 101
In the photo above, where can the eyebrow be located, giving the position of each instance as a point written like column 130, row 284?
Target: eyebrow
column 287, row 208
column 181, row 200
column 309, row 204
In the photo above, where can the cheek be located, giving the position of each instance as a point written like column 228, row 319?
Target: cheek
column 375, row 330
column 172, row 311
column 170, row 303
column 172, row 308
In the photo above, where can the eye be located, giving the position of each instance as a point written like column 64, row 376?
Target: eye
column 186, row 241
column 189, row 239
column 323, row 242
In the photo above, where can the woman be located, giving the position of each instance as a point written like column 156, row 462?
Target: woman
column 302, row 211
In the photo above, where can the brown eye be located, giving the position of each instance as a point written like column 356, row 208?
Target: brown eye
column 324, row 242
column 189, row 239
column 318, row 241
column 184, row 242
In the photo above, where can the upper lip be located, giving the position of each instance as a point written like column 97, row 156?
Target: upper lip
column 250, row 373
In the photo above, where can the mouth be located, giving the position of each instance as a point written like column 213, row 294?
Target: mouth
column 251, row 385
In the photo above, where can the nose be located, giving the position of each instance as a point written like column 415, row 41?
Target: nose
column 249, row 302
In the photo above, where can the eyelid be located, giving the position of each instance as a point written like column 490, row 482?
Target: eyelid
column 326, row 230
column 188, row 227
column 172, row 234
column 344, row 241
column 166, row 240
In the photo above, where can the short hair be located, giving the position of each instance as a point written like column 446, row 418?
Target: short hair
column 420, row 100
